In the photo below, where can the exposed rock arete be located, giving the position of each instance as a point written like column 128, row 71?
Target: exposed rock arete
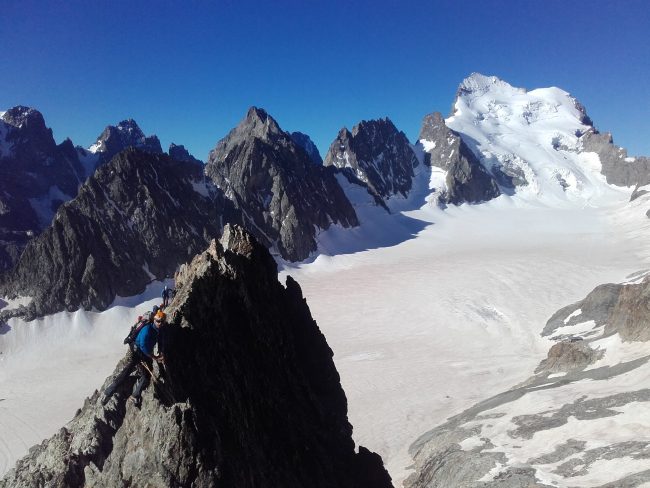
column 251, row 397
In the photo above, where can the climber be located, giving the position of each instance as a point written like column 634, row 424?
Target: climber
column 165, row 296
column 140, row 356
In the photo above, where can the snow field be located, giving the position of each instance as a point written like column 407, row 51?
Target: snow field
column 427, row 327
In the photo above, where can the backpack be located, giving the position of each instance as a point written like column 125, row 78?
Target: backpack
column 136, row 328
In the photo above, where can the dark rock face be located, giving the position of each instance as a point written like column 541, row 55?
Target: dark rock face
column 251, row 397
column 618, row 171
column 304, row 141
column 36, row 176
column 126, row 134
column 467, row 180
column 138, row 217
column 179, row 153
column 282, row 196
column 378, row 155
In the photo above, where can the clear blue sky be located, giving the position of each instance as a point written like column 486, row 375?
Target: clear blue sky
column 188, row 70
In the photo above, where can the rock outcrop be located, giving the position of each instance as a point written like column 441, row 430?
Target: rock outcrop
column 304, row 141
column 376, row 155
column 618, row 168
column 283, row 197
column 251, row 396
column 466, row 179
column 36, row 176
column 136, row 219
column 617, row 308
column 567, row 356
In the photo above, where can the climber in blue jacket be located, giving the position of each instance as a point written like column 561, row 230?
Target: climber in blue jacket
column 141, row 356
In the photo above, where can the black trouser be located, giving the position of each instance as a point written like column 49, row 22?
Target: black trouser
column 135, row 358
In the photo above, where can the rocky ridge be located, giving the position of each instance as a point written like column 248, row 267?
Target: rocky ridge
column 376, row 155
column 284, row 198
column 136, row 219
column 464, row 178
column 251, row 396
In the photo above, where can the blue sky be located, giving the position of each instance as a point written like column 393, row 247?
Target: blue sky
column 187, row 71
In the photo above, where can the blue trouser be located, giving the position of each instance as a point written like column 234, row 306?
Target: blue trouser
column 136, row 357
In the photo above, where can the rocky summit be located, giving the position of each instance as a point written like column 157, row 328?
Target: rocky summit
column 135, row 220
column 283, row 197
column 376, row 155
column 465, row 180
column 250, row 398
column 117, row 138
column 36, row 176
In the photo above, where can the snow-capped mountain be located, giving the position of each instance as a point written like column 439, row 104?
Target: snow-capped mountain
column 283, row 197
column 36, row 176
column 376, row 155
column 530, row 141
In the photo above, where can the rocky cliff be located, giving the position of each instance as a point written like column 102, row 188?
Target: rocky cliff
column 377, row 155
column 283, row 197
column 36, row 176
column 136, row 219
column 251, row 397
column 465, row 180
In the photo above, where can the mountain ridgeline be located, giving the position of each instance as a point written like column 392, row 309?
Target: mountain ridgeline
column 132, row 214
column 251, row 397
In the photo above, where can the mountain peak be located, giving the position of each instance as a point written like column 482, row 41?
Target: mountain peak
column 130, row 127
column 21, row 116
column 259, row 123
column 478, row 84
column 126, row 134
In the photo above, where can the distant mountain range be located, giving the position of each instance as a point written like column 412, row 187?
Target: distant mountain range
column 125, row 213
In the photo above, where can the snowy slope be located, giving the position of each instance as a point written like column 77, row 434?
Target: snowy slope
column 532, row 136
column 428, row 311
